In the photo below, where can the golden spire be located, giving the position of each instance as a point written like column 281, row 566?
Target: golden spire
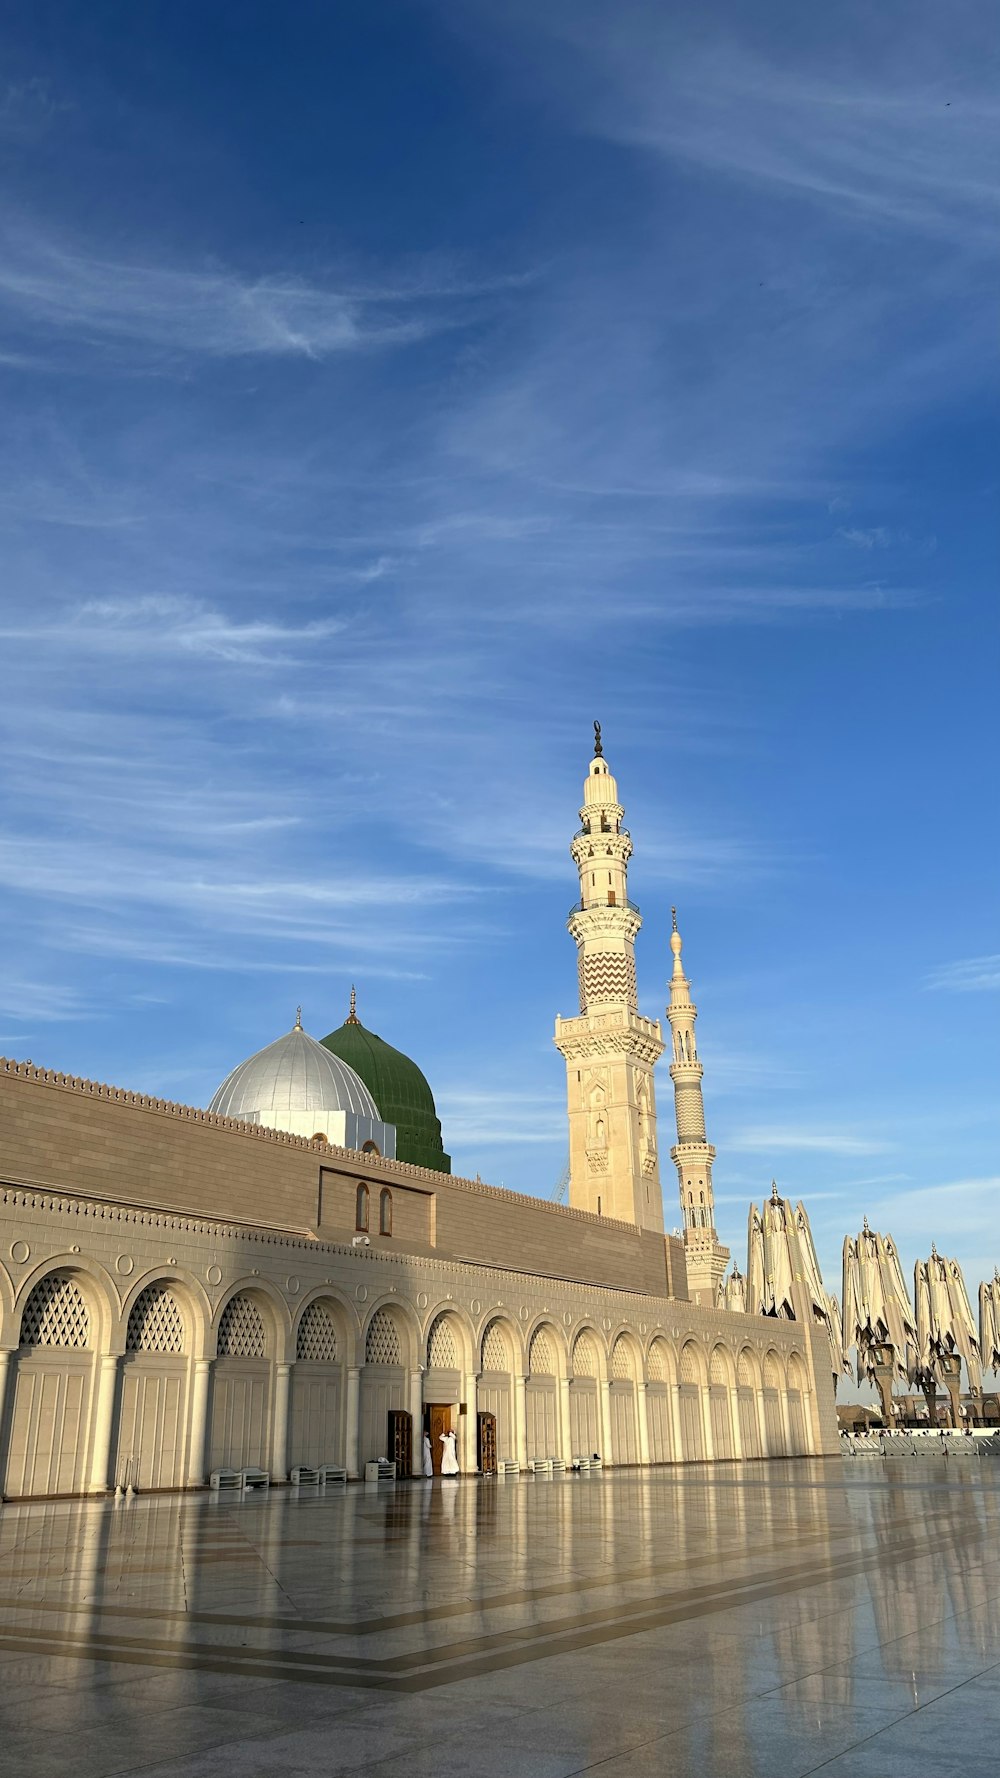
column 352, row 1017
column 298, row 1018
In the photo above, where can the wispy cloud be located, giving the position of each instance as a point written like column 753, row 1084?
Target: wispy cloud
column 51, row 286
column 969, row 975
column 477, row 1116
column 768, row 1138
column 152, row 625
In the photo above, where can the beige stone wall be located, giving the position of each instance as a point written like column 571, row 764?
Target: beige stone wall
column 72, row 1135
column 254, row 1343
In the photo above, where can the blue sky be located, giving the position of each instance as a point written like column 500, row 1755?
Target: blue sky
column 388, row 391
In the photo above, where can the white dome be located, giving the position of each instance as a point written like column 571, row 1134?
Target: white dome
column 291, row 1083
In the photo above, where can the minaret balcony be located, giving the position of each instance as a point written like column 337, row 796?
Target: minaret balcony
column 601, row 907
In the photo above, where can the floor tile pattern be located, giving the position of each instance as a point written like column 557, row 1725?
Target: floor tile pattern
column 832, row 1616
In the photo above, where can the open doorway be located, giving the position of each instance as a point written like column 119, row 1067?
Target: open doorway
column 438, row 1419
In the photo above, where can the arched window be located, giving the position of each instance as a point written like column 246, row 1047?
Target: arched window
column 361, row 1209
column 370, row 1148
column 385, row 1212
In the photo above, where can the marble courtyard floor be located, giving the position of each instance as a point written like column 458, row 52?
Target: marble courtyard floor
column 775, row 1619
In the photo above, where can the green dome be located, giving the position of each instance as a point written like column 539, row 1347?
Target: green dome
column 398, row 1089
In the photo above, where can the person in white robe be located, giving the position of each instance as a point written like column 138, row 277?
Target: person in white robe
column 428, row 1456
column 449, row 1454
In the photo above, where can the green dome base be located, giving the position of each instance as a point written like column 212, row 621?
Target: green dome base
column 399, row 1090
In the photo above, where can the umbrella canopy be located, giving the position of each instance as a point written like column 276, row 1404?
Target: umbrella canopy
column 877, row 1308
column 989, row 1322
column 944, row 1318
column 781, row 1252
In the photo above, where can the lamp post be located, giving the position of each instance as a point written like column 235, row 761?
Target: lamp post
column 883, row 1356
column 951, row 1371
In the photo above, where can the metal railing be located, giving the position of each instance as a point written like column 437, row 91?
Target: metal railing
column 582, row 907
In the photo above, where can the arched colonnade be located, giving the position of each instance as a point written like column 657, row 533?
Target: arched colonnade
column 157, row 1385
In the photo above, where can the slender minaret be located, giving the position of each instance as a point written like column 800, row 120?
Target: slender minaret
column 693, row 1156
column 610, row 1050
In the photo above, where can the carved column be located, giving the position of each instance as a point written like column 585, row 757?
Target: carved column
column 351, row 1416
column 104, row 1415
column 417, row 1419
column 470, row 1455
column 705, row 1398
column 676, row 1429
column 199, row 1422
column 5, row 1374
column 641, row 1410
column 607, row 1454
column 279, row 1442
column 520, row 1421
column 565, row 1424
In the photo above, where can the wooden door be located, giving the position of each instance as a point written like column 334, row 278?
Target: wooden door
column 487, row 1445
column 399, row 1441
column 438, row 1423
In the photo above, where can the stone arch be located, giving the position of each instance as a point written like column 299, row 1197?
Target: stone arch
column 659, row 1361
column 194, row 1302
column 720, row 1368
column 624, row 1369
column 409, row 1343
column 691, row 1368
column 251, row 1329
column 625, row 1361
column 747, row 1369
column 272, row 1309
column 774, row 1377
column 587, row 1358
column 661, row 1372
column 501, row 1356
column 65, row 1317
column 546, row 1363
column 720, row 1402
column 774, row 1426
column 56, row 1313
column 453, row 1334
column 103, row 1300
column 343, row 1316
column 157, row 1322
column 692, row 1382
column 747, row 1402
column 317, row 1396
column 545, row 1350
column 798, row 1385
column 165, row 1317
column 392, row 1346
column 498, row 1346
column 797, row 1376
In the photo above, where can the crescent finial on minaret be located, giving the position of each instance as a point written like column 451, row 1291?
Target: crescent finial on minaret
column 598, row 744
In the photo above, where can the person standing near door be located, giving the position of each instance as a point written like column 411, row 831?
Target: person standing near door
column 428, row 1457
column 449, row 1454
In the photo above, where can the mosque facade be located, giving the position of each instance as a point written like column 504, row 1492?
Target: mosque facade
column 293, row 1277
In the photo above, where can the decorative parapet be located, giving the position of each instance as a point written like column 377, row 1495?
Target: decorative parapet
column 377, row 1164
column 666, row 1315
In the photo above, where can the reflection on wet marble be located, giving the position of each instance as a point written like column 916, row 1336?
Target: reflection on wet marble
column 772, row 1619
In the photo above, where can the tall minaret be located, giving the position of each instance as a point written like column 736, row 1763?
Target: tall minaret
column 610, row 1049
column 693, row 1156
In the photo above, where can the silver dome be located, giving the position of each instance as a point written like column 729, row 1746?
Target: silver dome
column 291, row 1078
